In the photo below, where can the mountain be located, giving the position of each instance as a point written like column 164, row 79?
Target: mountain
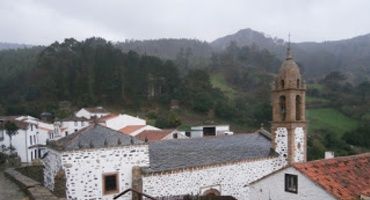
column 4, row 46
column 350, row 56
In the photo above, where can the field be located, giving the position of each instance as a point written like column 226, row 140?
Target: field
column 218, row 81
column 330, row 119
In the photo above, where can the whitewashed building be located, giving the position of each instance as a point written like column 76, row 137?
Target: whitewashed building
column 69, row 125
column 30, row 140
column 210, row 130
column 334, row 178
column 93, row 112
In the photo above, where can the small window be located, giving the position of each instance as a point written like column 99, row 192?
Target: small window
column 110, row 183
column 31, row 155
column 31, row 142
column 66, row 133
column 175, row 136
column 291, row 183
column 282, row 84
column 187, row 133
column 35, row 153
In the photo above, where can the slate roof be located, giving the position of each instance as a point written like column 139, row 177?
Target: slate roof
column 343, row 177
column 93, row 136
column 176, row 154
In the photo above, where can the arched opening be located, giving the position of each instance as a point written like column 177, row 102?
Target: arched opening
column 282, row 84
column 211, row 193
column 298, row 102
column 298, row 83
column 282, row 103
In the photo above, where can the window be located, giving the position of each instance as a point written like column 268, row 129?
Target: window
column 175, row 136
column 282, row 84
column 34, row 139
column 298, row 83
column 35, row 153
column 31, row 140
column 110, row 183
column 66, row 133
column 31, row 155
column 282, row 103
column 298, row 106
column 291, row 183
column 187, row 133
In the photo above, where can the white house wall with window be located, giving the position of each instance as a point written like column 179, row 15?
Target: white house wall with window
column 278, row 186
column 30, row 140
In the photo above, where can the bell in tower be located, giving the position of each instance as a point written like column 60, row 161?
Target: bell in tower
column 288, row 118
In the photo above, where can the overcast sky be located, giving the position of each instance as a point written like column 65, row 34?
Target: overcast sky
column 44, row 21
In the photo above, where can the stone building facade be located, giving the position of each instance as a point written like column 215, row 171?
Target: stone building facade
column 98, row 159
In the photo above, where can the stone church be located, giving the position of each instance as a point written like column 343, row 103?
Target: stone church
column 100, row 163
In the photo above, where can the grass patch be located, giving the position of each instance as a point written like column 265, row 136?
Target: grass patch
column 218, row 81
column 330, row 119
column 315, row 100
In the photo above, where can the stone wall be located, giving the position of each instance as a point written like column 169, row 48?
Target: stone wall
column 84, row 169
column 299, row 145
column 229, row 179
column 33, row 188
column 52, row 165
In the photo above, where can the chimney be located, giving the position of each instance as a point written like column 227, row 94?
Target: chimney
column 329, row 154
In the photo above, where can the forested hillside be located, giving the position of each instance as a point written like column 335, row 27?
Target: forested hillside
column 227, row 85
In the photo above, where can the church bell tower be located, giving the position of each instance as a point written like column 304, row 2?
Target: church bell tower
column 289, row 127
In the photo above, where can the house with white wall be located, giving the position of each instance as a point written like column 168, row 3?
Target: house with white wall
column 342, row 178
column 92, row 112
column 69, row 125
column 30, row 140
column 210, row 130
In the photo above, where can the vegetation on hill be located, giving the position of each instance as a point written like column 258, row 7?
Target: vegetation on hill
column 231, row 85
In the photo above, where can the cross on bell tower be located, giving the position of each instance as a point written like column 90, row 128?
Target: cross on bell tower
column 289, row 127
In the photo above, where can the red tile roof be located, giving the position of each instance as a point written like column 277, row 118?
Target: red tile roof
column 343, row 177
column 130, row 129
column 153, row 135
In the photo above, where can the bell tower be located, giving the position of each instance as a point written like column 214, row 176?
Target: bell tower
column 289, row 127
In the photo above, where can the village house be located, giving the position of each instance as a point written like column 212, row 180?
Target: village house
column 335, row 178
column 69, row 125
column 209, row 130
column 30, row 138
column 99, row 162
column 93, row 112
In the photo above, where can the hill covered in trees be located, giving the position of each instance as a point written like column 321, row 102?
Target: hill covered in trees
column 225, row 84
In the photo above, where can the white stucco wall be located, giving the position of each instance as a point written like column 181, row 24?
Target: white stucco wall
column 273, row 188
column 231, row 179
column 84, row 169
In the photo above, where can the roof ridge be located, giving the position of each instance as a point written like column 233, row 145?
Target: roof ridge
column 340, row 158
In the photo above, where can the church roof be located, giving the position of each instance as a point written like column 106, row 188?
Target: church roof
column 93, row 136
column 183, row 153
column 343, row 177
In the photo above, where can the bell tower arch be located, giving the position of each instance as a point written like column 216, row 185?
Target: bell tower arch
column 289, row 127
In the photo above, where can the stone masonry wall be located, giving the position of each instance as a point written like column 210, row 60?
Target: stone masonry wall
column 52, row 164
column 231, row 179
column 299, row 144
column 84, row 170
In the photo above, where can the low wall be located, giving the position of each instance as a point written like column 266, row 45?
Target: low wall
column 33, row 189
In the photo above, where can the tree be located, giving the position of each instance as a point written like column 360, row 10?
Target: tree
column 11, row 130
